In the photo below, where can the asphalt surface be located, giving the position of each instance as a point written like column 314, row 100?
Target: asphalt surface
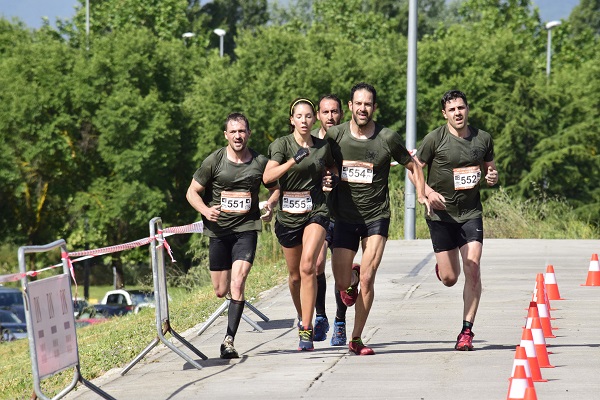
column 412, row 328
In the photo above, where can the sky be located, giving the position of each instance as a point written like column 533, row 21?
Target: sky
column 32, row 11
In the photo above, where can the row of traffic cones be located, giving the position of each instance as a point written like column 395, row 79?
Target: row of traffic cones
column 531, row 355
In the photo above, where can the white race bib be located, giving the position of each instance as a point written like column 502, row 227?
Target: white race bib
column 466, row 178
column 357, row 171
column 296, row 202
column 238, row 202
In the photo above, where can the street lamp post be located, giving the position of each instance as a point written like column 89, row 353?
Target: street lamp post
column 411, row 118
column 549, row 26
column 186, row 36
column 87, row 25
column 220, row 33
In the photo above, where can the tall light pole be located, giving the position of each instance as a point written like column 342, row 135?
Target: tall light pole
column 220, row 33
column 87, row 25
column 411, row 118
column 549, row 26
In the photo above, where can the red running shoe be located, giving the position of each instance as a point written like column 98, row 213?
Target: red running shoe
column 350, row 295
column 464, row 341
column 357, row 347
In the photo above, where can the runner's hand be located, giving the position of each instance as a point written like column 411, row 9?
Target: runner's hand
column 492, row 176
column 426, row 203
column 267, row 213
column 329, row 181
column 212, row 214
column 436, row 201
column 301, row 154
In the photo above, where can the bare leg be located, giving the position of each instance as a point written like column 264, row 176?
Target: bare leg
column 292, row 259
column 449, row 266
column 373, row 247
column 239, row 273
column 471, row 256
column 312, row 242
column 220, row 281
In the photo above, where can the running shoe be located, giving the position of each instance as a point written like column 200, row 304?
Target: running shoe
column 321, row 328
column 464, row 341
column 437, row 272
column 306, row 340
column 339, row 334
column 350, row 295
column 227, row 349
column 357, row 347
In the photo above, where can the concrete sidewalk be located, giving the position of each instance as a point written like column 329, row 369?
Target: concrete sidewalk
column 412, row 328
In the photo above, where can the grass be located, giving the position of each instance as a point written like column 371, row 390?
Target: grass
column 116, row 342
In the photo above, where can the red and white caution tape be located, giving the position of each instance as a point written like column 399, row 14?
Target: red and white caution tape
column 196, row 227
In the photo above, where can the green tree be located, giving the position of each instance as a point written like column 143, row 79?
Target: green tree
column 230, row 15
column 585, row 16
column 39, row 133
column 130, row 87
column 166, row 19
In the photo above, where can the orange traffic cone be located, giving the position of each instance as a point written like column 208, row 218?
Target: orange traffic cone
column 541, row 283
column 534, row 365
column 530, row 394
column 551, row 285
column 518, row 384
column 540, row 344
column 533, row 312
column 543, row 312
column 593, row 278
column 521, row 359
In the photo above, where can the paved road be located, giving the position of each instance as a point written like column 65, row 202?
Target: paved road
column 412, row 327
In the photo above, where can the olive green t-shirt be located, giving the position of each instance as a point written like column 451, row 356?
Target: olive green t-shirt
column 455, row 168
column 362, row 195
column 235, row 187
column 301, row 185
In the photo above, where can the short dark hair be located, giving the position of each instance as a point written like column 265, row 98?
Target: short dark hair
column 236, row 116
column 453, row 95
column 365, row 86
column 330, row 96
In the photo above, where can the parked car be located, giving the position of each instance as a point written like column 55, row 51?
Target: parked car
column 120, row 302
column 11, row 327
column 11, row 299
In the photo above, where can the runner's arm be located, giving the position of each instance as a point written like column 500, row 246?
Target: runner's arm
column 194, row 197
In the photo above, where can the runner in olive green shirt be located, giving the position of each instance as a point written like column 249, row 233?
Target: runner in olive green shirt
column 225, row 191
column 329, row 113
column 457, row 156
column 360, row 203
column 303, row 165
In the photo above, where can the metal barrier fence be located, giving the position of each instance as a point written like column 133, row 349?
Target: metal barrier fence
column 161, row 300
column 51, row 324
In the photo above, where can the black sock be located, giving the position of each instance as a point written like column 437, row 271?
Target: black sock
column 340, row 313
column 321, row 291
column 467, row 325
column 234, row 314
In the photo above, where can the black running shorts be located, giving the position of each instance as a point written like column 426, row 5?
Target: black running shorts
column 224, row 250
column 292, row 237
column 348, row 236
column 447, row 236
